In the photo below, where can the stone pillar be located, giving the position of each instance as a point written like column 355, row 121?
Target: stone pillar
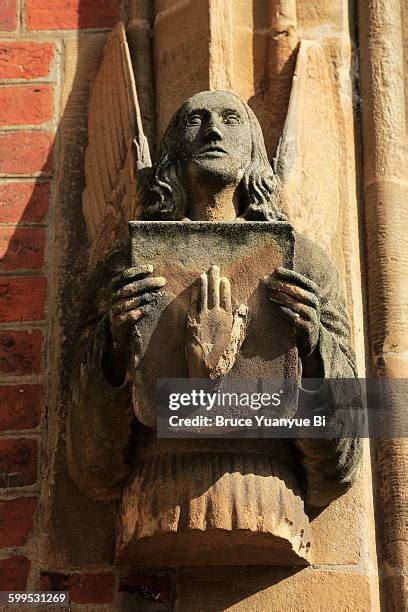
column 264, row 55
column 385, row 194
column 181, row 54
column 139, row 34
column 241, row 46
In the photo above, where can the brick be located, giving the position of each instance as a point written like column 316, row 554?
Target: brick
column 20, row 352
column 25, row 104
column 25, row 152
column 16, row 520
column 83, row 588
column 21, row 248
column 22, row 299
column 8, row 15
column 21, row 406
column 18, row 462
column 14, row 573
column 23, row 202
column 25, row 60
column 70, row 14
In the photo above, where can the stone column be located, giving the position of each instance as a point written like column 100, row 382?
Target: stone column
column 139, row 34
column 385, row 196
column 245, row 47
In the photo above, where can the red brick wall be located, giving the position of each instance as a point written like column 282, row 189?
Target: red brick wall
column 33, row 34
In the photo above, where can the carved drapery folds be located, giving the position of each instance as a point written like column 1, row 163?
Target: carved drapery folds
column 203, row 502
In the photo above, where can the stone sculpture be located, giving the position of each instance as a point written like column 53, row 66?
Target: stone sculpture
column 199, row 501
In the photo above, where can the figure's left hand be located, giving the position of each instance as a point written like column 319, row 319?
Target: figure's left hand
column 299, row 302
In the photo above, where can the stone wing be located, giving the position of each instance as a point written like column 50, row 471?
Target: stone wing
column 309, row 153
column 117, row 149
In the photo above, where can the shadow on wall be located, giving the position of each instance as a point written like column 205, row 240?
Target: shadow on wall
column 81, row 531
column 76, row 531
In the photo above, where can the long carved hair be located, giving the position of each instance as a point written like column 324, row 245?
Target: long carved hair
column 166, row 198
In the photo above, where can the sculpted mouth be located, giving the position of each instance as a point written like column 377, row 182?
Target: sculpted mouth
column 211, row 149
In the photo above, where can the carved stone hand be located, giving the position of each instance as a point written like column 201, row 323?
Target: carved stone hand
column 298, row 298
column 214, row 332
column 132, row 293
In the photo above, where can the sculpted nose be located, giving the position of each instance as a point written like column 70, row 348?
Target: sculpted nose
column 213, row 133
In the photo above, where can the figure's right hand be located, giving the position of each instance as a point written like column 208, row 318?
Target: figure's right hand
column 215, row 331
column 132, row 292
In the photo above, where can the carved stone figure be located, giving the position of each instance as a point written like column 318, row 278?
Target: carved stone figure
column 199, row 501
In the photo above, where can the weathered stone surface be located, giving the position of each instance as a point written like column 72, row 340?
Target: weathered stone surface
column 201, row 510
column 264, row 42
column 261, row 589
column 180, row 501
column 180, row 252
column 320, row 12
column 176, row 79
column 317, row 19
column 312, row 110
column 139, row 35
column 405, row 43
column 385, row 190
column 80, row 532
column 337, row 531
column 395, row 592
column 189, row 516
column 116, row 148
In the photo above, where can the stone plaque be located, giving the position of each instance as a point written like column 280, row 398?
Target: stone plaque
column 181, row 252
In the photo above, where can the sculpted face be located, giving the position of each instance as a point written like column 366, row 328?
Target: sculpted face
column 215, row 135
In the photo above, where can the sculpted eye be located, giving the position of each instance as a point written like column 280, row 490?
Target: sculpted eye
column 194, row 120
column 231, row 119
